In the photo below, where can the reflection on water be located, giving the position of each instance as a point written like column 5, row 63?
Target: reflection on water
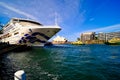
column 64, row 62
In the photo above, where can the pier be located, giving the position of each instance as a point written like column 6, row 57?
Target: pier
column 6, row 47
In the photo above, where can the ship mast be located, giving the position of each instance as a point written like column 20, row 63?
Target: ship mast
column 56, row 20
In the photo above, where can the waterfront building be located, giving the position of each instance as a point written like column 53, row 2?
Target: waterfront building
column 87, row 36
column 111, row 35
column 102, row 36
column 108, row 36
column 59, row 40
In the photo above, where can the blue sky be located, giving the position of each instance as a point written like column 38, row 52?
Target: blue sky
column 74, row 16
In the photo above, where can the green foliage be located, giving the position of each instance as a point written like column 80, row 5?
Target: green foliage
column 1, row 31
column 78, row 39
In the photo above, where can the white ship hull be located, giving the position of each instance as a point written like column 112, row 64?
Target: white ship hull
column 31, row 35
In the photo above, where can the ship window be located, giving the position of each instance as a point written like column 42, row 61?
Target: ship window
column 22, row 33
column 15, row 33
column 9, row 35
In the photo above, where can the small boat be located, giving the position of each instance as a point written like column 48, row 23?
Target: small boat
column 77, row 43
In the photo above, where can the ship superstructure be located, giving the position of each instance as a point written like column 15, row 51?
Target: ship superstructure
column 27, row 32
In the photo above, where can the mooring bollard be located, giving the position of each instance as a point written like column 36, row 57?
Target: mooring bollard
column 20, row 75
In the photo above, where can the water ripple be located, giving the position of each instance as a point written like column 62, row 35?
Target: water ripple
column 64, row 62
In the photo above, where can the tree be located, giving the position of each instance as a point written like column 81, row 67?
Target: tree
column 78, row 39
column 1, row 32
column 96, row 38
column 1, row 26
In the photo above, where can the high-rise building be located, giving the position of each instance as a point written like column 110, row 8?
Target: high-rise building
column 87, row 36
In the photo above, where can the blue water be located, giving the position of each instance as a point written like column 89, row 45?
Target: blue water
column 64, row 62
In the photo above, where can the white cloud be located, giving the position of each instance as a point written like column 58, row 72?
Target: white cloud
column 45, row 13
column 105, row 29
column 91, row 19
column 74, row 36
column 17, row 10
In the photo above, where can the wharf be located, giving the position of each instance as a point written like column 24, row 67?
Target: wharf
column 5, row 47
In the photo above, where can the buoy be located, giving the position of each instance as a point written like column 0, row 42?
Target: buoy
column 19, row 75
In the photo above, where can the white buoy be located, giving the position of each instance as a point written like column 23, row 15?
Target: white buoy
column 19, row 75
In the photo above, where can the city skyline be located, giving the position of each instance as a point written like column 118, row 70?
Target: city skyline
column 74, row 16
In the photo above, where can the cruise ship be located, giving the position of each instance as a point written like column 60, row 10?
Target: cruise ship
column 27, row 32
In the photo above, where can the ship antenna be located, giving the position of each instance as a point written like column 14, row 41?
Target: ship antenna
column 56, row 20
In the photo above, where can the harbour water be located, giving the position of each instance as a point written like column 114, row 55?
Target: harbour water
column 64, row 62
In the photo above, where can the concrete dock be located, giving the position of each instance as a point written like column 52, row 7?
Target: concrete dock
column 5, row 47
